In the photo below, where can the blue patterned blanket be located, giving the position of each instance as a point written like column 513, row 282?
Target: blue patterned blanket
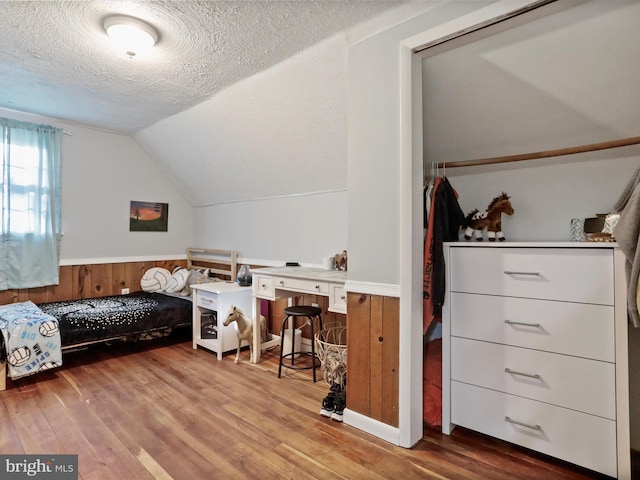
column 31, row 339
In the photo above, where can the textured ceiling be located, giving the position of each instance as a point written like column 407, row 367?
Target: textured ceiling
column 56, row 59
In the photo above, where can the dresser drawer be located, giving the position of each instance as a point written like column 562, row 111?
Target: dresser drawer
column 301, row 285
column 207, row 300
column 560, row 380
column 578, row 329
column 263, row 286
column 575, row 275
column 576, row 437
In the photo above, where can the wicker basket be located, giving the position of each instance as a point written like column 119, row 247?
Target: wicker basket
column 331, row 347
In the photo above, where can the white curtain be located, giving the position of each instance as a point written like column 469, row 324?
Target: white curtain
column 30, row 203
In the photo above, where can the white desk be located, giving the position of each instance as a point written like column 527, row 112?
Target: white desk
column 286, row 282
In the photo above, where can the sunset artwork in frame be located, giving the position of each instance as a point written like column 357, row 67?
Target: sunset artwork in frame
column 148, row 217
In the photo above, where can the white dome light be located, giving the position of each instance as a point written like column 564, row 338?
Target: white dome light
column 129, row 34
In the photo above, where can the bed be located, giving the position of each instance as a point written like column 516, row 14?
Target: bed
column 163, row 305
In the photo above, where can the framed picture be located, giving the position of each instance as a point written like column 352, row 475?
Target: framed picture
column 148, row 217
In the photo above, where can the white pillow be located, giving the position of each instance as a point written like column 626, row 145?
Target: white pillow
column 155, row 279
column 178, row 280
column 197, row 276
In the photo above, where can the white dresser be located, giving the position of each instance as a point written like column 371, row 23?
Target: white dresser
column 535, row 349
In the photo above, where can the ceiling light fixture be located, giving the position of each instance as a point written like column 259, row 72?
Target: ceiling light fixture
column 129, row 34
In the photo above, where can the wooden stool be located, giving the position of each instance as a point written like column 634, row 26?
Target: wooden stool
column 311, row 313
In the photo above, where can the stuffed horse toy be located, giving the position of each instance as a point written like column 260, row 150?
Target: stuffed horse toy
column 244, row 329
column 491, row 219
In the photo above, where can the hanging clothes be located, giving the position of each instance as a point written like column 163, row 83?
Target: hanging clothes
column 427, row 271
column 627, row 234
column 427, row 195
column 445, row 219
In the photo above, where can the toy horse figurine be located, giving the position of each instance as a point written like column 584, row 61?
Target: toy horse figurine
column 477, row 221
column 244, row 329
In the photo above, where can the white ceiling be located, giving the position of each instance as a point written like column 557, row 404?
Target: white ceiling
column 57, row 62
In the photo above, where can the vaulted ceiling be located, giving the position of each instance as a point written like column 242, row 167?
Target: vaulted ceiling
column 57, row 61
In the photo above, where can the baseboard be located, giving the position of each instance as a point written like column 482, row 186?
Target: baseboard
column 372, row 427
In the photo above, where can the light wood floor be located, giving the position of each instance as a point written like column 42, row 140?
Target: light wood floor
column 166, row 411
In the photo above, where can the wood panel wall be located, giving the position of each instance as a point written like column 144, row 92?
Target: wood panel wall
column 87, row 281
column 276, row 313
column 373, row 352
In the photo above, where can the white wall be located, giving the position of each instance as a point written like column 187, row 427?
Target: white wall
column 264, row 162
column 546, row 196
column 101, row 173
column 374, row 145
column 268, row 158
column 302, row 228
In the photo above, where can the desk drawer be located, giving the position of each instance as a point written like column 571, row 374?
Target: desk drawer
column 576, row 437
column 561, row 380
column 578, row 329
column 337, row 298
column 574, row 275
column 263, row 287
column 301, row 285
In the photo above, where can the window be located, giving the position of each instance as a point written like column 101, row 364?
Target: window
column 29, row 204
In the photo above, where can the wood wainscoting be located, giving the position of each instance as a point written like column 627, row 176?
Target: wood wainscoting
column 88, row 281
column 276, row 313
column 373, row 344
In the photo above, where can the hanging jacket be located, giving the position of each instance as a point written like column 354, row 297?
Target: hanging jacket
column 445, row 219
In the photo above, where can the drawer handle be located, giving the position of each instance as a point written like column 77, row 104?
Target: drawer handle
column 317, row 287
column 522, row 424
column 522, row 324
column 282, row 282
column 342, row 297
column 511, row 272
column 206, row 300
column 523, row 374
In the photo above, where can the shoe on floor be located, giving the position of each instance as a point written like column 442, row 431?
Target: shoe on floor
column 339, row 404
column 327, row 405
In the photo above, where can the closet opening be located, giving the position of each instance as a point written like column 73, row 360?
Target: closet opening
column 485, row 22
column 416, row 161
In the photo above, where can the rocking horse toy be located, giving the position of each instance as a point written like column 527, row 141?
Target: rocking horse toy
column 491, row 219
column 244, row 330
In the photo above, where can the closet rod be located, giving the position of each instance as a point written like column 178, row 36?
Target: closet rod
column 623, row 142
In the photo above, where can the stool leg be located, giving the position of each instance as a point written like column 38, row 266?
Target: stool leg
column 293, row 340
column 281, row 345
column 313, row 348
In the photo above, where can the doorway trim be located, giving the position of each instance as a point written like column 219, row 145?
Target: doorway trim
column 410, row 421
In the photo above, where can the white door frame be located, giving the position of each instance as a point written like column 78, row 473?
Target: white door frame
column 411, row 255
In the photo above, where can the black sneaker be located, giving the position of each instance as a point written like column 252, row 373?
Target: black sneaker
column 339, row 404
column 327, row 405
